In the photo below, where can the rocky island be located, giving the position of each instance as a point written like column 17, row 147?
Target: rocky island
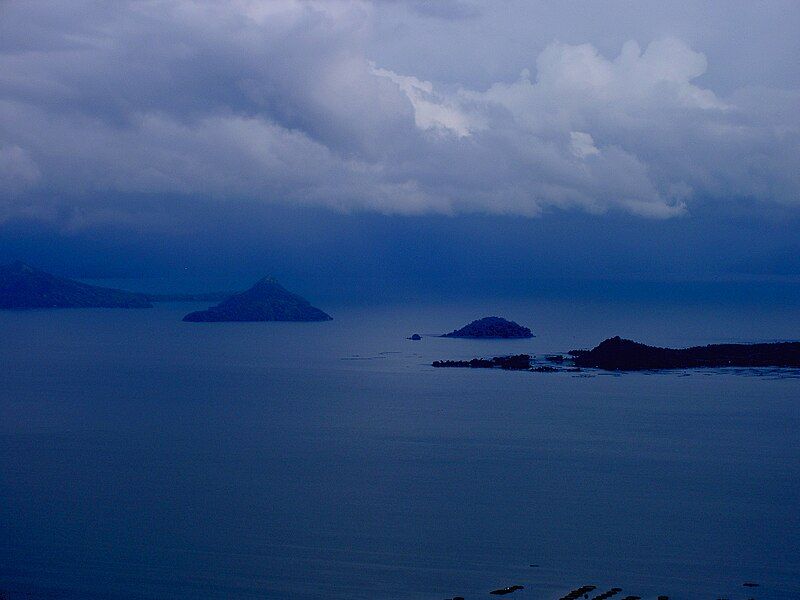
column 618, row 354
column 267, row 300
column 23, row 286
column 491, row 327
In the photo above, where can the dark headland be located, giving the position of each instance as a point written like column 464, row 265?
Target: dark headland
column 267, row 300
column 617, row 354
column 24, row 286
column 491, row 327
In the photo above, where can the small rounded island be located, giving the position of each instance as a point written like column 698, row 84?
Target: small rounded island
column 491, row 327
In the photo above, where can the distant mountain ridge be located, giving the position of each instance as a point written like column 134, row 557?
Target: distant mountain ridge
column 23, row 286
column 267, row 300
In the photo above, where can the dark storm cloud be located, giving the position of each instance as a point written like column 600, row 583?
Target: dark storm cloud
column 309, row 103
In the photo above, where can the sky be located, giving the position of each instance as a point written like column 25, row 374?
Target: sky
column 388, row 140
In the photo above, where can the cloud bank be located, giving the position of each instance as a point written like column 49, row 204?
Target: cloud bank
column 281, row 101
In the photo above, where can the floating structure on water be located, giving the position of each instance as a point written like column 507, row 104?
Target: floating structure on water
column 582, row 591
column 507, row 590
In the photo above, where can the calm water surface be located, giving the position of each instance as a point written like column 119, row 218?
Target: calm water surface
column 142, row 457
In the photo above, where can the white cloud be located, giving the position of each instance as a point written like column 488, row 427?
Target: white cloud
column 431, row 110
column 279, row 101
column 582, row 144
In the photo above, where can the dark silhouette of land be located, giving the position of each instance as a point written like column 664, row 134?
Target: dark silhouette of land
column 491, row 327
column 24, row 286
column 267, row 300
column 617, row 354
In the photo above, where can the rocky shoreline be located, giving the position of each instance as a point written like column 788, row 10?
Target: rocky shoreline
column 617, row 354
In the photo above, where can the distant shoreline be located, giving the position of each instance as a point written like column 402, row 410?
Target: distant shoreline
column 617, row 354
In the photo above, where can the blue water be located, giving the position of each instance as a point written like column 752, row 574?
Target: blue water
column 143, row 457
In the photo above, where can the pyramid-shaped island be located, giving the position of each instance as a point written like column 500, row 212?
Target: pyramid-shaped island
column 267, row 300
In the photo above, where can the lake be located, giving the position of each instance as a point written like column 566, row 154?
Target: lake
column 143, row 457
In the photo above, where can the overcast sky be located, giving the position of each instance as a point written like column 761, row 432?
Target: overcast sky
column 113, row 113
